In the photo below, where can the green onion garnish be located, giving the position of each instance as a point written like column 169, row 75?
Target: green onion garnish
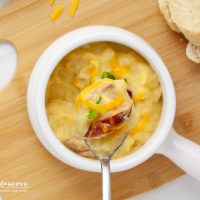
column 98, row 101
column 107, row 75
column 92, row 114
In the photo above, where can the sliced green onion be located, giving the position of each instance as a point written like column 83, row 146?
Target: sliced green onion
column 98, row 101
column 92, row 114
column 107, row 75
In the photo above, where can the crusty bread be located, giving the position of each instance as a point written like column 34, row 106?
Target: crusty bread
column 184, row 16
column 164, row 8
column 193, row 52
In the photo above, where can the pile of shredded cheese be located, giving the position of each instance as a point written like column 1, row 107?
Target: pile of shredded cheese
column 59, row 9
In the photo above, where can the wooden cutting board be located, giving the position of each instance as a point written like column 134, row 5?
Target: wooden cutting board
column 27, row 25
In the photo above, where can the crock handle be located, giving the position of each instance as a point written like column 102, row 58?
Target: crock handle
column 183, row 152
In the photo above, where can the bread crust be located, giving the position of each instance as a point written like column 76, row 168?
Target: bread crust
column 169, row 9
column 193, row 52
column 186, row 15
column 165, row 11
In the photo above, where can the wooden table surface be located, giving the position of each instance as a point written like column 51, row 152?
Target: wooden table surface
column 27, row 25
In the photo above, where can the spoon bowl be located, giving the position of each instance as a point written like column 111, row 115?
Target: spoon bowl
column 105, row 164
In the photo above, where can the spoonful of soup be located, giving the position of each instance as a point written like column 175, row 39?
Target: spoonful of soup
column 106, row 106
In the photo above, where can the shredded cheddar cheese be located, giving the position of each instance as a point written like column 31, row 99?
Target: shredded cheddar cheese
column 138, row 97
column 57, row 12
column 90, row 89
column 118, row 70
column 120, row 131
column 51, row 2
column 93, row 71
column 73, row 7
column 104, row 107
column 140, row 125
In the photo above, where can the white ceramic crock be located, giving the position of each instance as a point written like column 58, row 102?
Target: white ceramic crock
column 164, row 140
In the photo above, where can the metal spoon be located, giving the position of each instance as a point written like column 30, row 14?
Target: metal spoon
column 105, row 164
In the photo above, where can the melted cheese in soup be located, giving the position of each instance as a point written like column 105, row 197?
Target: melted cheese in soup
column 100, row 80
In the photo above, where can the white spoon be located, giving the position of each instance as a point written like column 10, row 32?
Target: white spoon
column 105, row 164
